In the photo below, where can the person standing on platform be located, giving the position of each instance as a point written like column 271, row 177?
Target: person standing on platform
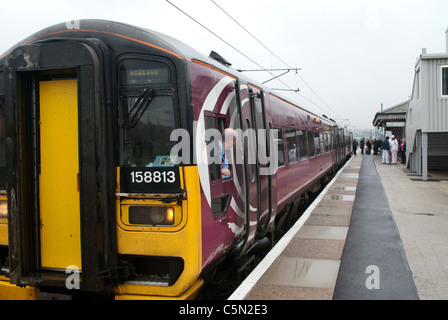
column 385, row 147
column 394, row 149
column 361, row 145
column 355, row 146
column 403, row 151
column 369, row 146
column 379, row 145
column 375, row 147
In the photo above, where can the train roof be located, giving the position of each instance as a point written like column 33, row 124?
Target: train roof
column 115, row 32
column 112, row 32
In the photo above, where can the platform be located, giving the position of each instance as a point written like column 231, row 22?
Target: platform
column 305, row 263
column 348, row 244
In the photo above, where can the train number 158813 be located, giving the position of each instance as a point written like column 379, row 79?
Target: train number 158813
column 153, row 176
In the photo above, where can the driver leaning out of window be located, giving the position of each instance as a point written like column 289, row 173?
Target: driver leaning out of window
column 228, row 141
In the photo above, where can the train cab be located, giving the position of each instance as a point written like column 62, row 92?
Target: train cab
column 90, row 187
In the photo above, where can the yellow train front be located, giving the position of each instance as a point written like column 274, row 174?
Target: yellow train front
column 94, row 203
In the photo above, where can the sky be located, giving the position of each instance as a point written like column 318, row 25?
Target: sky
column 354, row 55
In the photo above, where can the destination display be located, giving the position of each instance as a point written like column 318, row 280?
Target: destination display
column 142, row 72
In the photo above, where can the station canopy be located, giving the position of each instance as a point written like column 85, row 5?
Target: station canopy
column 393, row 119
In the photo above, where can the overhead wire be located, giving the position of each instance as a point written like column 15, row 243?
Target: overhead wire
column 239, row 51
column 275, row 55
column 252, row 60
column 220, row 38
column 226, row 42
column 256, row 39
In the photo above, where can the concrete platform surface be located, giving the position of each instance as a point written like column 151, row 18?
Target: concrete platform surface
column 420, row 209
column 407, row 227
column 304, row 265
column 374, row 264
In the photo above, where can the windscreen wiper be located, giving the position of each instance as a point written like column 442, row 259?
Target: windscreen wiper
column 139, row 108
column 2, row 106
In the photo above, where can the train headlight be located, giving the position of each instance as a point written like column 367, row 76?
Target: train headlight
column 157, row 216
column 3, row 209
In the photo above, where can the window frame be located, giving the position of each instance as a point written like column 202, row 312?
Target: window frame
column 220, row 125
column 310, row 142
column 442, row 87
column 305, row 145
column 129, row 91
column 317, row 149
column 280, row 146
column 291, row 130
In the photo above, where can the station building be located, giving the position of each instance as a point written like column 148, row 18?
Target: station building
column 423, row 119
column 427, row 114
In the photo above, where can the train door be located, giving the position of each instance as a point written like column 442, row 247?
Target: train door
column 60, row 241
column 258, row 193
column 56, row 122
column 262, row 145
column 336, row 144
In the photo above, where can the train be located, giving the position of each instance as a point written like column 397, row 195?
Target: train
column 112, row 150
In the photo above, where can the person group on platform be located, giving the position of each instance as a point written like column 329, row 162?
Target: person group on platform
column 389, row 148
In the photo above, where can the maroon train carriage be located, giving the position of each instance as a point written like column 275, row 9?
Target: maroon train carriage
column 110, row 187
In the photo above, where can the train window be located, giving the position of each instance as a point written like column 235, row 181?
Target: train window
column 280, row 147
column 291, row 145
column 145, row 137
column 330, row 142
column 213, row 146
column 269, row 140
column 147, row 111
column 311, row 143
column 316, row 144
column 302, row 144
column 220, row 204
column 135, row 72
